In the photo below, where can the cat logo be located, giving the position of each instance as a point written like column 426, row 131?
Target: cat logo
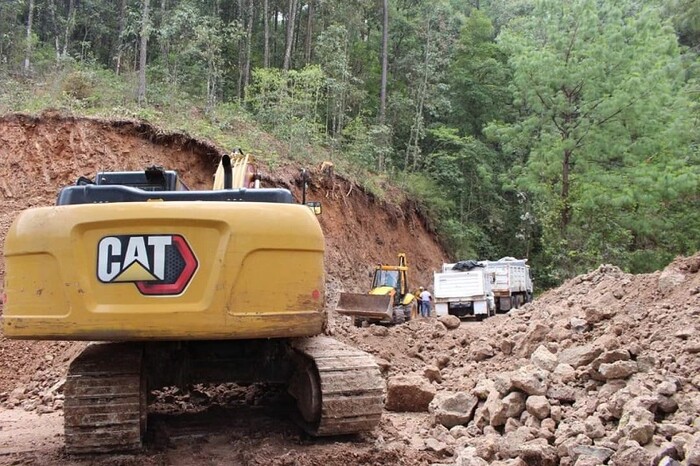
column 156, row 264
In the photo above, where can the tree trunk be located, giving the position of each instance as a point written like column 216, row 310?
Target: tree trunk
column 241, row 53
column 120, row 39
column 309, row 33
column 69, row 27
column 164, row 44
column 296, row 24
column 565, row 189
column 414, row 137
column 266, row 39
column 290, row 35
column 55, row 29
column 274, row 37
column 28, row 52
column 385, row 62
column 248, row 45
column 142, row 54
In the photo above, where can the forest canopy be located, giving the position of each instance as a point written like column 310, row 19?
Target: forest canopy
column 563, row 132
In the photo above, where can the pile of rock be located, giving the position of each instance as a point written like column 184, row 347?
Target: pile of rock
column 605, row 373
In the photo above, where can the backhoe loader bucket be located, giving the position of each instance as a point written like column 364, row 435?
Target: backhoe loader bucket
column 366, row 306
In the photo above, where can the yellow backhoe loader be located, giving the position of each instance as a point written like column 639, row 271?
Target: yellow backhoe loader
column 177, row 287
column 389, row 300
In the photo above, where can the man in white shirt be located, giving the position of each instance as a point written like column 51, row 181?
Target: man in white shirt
column 425, row 297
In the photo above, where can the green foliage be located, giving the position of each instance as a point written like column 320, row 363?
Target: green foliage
column 78, row 85
column 600, row 88
column 686, row 18
column 479, row 78
column 287, row 104
column 427, row 192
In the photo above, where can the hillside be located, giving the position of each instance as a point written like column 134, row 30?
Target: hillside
column 602, row 370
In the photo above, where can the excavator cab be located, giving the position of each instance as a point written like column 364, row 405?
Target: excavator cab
column 388, row 301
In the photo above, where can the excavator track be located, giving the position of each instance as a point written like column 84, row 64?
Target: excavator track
column 105, row 399
column 339, row 389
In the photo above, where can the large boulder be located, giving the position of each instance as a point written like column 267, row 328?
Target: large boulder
column 409, row 393
column 531, row 380
column 453, row 408
column 450, row 322
column 618, row 369
column 468, row 457
column 533, row 338
column 631, row 454
column 579, row 355
column 637, row 424
column 538, row 406
column 544, row 359
column 496, row 410
column 594, row 427
column 514, row 403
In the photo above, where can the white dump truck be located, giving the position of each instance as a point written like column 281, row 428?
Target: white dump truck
column 464, row 289
column 511, row 285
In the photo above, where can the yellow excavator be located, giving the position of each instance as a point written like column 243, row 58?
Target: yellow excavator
column 176, row 287
column 389, row 300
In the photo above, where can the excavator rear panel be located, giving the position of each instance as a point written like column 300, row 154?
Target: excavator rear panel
column 164, row 270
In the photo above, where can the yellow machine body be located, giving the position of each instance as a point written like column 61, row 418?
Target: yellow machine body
column 79, row 272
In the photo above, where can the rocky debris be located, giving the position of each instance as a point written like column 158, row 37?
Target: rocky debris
column 469, row 457
column 578, row 356
column 692, row 451
column 481, row 351
column 450, row 322
column 378, row 330
column 602, row 370
column 618, row 369
column 432, row 373
column 544, row 359
column 409, row 393
column 452, row 409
